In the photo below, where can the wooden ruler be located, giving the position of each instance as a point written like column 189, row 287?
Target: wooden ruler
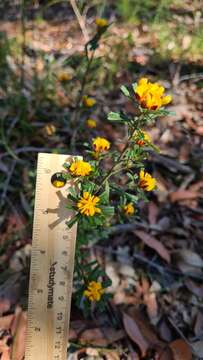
column 52, row 263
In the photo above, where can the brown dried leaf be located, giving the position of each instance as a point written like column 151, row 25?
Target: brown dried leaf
column 101, row 337
column 166, row 354
column 179, row 195
column 135, row 334
column 189, row 257
column 154, row 244
column 199, row 130
column 94, row 337
column 111, row 354
column 6, row 321
column 4, row 305
column 153, row 212
column 198, row 328
column 181, row 350
column 18, row 348
column 194, row 288
column 165, row 331
column 152, row 307
column 6, row 354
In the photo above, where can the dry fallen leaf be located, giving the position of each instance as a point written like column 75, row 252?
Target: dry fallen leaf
column 181, row 350
column 153, row 212
column 198, row 348
column 140, row 331
column 154, row 244
column 198, row 328
column 101, row 337
column 189, row 257
column 111, row 354
column 135, row 334
column 4, row 306
column 18, row 348
column 166, row 354
column 179, row 195
column 196, row 289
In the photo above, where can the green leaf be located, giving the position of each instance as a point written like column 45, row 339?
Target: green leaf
column 107, row 282
column 72, row 221
column 125, row 91
column 114, row 116
column 107, row 210
column 132, row 197
column 105, row 195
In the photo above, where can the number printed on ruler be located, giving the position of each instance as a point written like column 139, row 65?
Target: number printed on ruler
column 52, row 263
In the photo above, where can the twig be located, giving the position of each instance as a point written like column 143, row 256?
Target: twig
column 170, row 163
column 23, row 31
column 80, row 20
column 74, row 120
column 195, row 77
column 179, row 331
column 7, row 182
column 25, row 150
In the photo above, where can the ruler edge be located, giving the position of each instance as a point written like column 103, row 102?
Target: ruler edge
column 73, row 246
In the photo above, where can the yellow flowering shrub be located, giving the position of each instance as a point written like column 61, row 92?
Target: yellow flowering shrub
column 99, row 198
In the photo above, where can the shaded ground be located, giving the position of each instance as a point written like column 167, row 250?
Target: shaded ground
column 156, row 262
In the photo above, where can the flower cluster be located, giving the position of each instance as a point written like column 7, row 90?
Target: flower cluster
column 80, row 168
column 94, row 291
column 151, row 95
column 101, row 22
column 100, row 145
column 146, row 182
column 129, row 209
column 87, row 204
column 91, row 123
column 88, row 101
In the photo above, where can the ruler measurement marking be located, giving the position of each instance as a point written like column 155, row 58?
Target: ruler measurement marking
column 51, row 269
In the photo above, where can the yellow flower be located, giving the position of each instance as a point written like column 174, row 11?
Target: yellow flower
column 151, row 95
column 91, row 123
column 80, row 168
column 129, row 209
column 64, row 76
column 146, row 181
column 58, row 183
column 100, row 144
column 50, row 129
column 88, row 101
column 142, row 137
column 87, row 204
column 101, row 22
column 58, row 180
column 94, row 291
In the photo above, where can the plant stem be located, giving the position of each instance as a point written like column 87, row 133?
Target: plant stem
column 74, row 120
column 23, row 31
column 112, row 170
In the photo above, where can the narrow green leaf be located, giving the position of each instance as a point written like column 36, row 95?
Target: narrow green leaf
column 125, row 91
